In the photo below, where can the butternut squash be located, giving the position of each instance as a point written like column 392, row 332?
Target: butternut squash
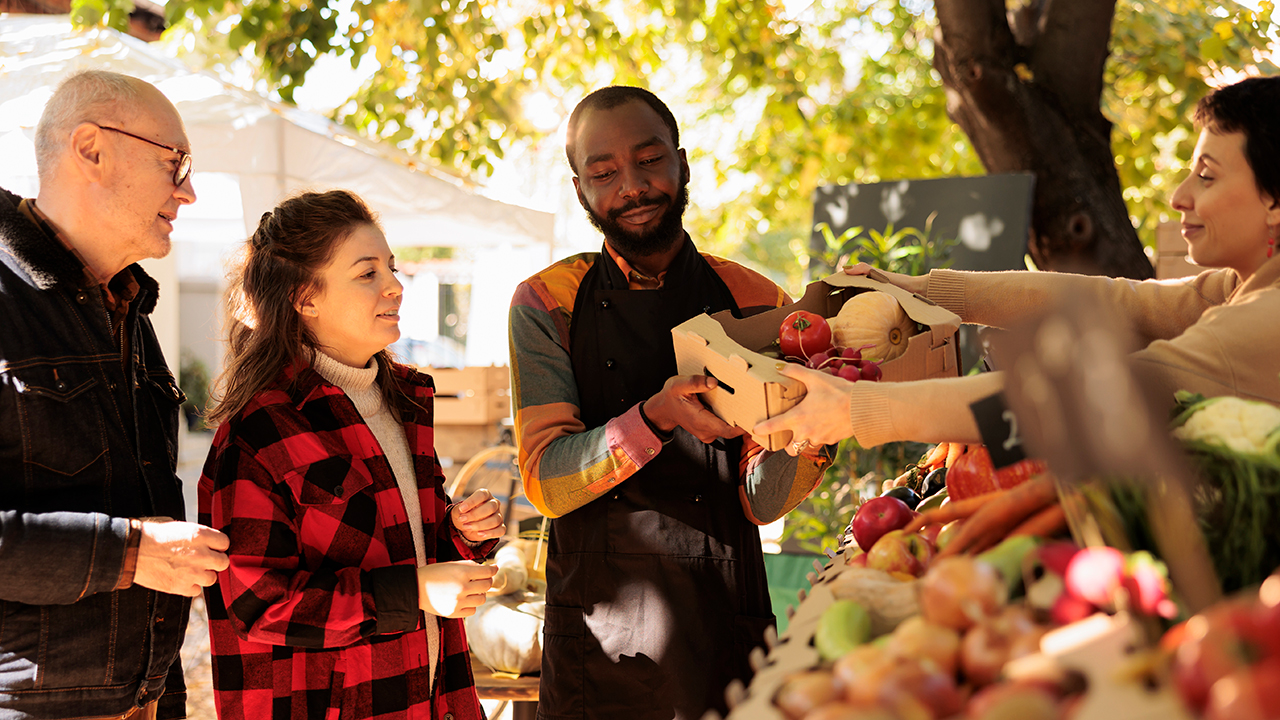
column 875, row 323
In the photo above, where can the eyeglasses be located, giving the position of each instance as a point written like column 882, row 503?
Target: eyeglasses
column 184, row 158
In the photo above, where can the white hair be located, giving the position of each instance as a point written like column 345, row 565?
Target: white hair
column 87, row 96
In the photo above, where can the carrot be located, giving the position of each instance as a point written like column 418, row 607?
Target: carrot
column 954, row 510
column 1003, row 513
column 954, row 451
column 1048, row 521
column 936, row 456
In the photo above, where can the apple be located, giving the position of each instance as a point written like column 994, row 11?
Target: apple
column 846, row 711
column 897, row 551
column 945, row 534
column 858, row 560
column 858, row 674
column 910, row 683
column 878, row 516
column 1212, row 648
column 1249, row 694
column 958, row 591
column 1013, row 701
column 930, row 534
column 994, row 641
column 801, row 693
column 918, row 638
column 1056, row 556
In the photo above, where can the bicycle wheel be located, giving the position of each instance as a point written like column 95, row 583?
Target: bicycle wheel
column 495, row 469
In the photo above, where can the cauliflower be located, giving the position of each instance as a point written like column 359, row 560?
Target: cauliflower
column 1241, row 425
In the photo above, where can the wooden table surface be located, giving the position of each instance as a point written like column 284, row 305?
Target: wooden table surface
column 501, row 687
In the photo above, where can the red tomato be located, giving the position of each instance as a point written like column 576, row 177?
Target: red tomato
column 803, row 334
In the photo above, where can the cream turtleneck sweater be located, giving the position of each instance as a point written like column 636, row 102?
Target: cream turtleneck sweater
column 359, row 385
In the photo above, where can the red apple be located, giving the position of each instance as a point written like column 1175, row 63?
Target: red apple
column 1249, row 694
column 957, row 591
column 878, row 516
column 930, row 534
column 1212, row 648
column 1056, row 556
column 897, row 551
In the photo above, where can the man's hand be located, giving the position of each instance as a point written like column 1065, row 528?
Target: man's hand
column 478, row 517
column 677, row 405
column 453, row 589
column 180, row 558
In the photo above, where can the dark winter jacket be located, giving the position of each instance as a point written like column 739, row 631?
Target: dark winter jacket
column 88, row 439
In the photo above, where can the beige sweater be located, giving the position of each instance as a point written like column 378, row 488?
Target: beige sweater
column 1208, row 334
column 359, row 385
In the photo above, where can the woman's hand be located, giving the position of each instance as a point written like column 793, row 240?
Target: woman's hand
column 918, row 284
column 478, row 517
column 453, row 589
column 821, row 418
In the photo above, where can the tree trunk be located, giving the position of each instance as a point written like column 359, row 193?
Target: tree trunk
column 1025, row 85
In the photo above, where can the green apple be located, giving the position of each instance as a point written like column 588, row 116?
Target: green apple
column 843, row 626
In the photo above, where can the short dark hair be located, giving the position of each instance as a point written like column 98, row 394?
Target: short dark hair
column 1251, row 107
column 611, row 97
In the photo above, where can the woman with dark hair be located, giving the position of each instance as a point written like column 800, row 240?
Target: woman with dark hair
column 1212, row 334
column 350, row 571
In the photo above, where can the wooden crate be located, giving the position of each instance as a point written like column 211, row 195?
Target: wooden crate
column 471, row 395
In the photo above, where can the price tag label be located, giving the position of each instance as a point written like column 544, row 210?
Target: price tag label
column 999, row 429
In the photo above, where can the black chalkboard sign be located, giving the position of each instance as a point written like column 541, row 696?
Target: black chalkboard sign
column 990, row 215
column 999, row 429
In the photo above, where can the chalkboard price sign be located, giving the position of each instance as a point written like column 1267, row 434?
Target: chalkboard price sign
column 999, row 429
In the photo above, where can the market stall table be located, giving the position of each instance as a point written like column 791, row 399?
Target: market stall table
column 521, row 692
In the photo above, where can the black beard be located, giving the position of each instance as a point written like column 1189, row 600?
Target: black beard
column 632, row 244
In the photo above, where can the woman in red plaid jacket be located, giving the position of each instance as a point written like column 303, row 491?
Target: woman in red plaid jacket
column 350, row 572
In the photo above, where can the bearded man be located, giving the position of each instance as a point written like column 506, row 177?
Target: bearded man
column 656, row 587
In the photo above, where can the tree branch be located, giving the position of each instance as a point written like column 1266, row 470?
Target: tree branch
column 1071, row 52
column 975, row 29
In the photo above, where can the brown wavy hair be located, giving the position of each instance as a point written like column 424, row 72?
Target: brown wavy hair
column 277, row 268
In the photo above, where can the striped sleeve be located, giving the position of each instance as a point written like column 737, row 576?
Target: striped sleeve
column 563, row 465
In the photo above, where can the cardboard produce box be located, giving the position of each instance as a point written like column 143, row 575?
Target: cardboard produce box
column 752, row 390
column 471, row 395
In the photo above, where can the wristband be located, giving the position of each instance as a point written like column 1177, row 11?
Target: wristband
column 664, row 436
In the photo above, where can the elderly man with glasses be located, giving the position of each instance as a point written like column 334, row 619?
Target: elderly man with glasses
column 97, row 564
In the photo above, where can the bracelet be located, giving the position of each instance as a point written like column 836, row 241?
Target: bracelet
column 664, row 436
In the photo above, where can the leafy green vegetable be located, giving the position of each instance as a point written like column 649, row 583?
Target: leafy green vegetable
column 1237, row 503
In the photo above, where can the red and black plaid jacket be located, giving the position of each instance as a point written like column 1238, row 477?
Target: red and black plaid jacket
column 318, row 612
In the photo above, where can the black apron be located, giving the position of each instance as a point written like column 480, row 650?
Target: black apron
column 656, row 590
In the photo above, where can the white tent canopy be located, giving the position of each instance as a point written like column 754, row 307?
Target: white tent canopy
column 249, row 153
column 272, row 149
